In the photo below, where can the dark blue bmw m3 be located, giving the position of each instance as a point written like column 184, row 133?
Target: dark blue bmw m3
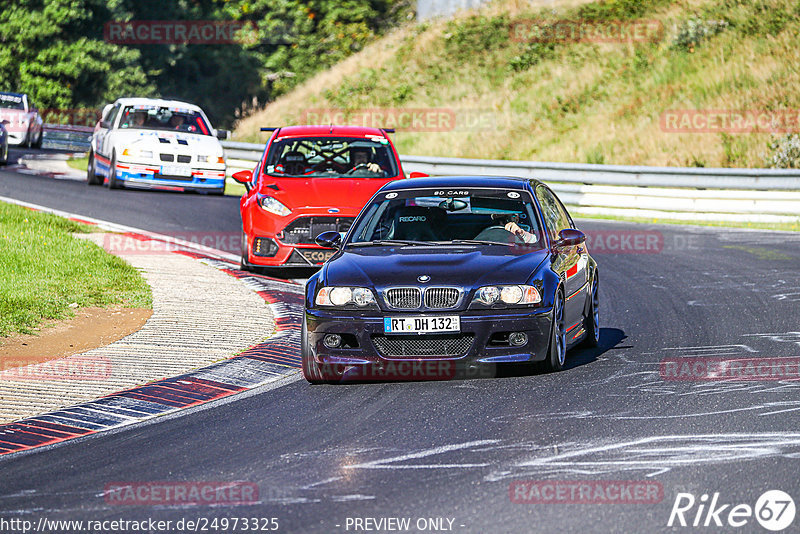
column 444, row 273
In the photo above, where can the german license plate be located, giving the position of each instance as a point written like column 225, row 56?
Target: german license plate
column 176, row 170
column 317, row 256
column 421, row 325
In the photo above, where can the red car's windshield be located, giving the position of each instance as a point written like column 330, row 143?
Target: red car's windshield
column 332, row 157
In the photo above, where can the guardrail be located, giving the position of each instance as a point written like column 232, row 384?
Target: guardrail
column 749, row 195
column 67, row 137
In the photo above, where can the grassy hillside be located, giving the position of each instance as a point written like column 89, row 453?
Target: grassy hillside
column 572, row 101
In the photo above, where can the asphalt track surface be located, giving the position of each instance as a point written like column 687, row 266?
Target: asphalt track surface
column 451, row 449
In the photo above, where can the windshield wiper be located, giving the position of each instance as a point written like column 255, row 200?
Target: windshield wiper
column 377, row 242
column 475, row 242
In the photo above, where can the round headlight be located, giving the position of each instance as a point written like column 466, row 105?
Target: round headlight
column 488, row 295
column 511, row 294
column 341, row 296
column 363, row 296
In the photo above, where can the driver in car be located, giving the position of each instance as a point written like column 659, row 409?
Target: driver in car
column 511, row 224
column 360, row 158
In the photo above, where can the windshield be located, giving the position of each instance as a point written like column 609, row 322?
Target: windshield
column 170, row 118
column 332, row 157
column 8, row 101
column 478, row 215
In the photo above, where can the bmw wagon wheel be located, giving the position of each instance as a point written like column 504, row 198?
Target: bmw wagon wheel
column 558, row 339
column 592, row 320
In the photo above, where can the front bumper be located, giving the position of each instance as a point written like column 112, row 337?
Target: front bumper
column 483, row 327
column 147, row 176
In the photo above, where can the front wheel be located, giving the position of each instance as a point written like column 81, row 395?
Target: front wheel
column 38, row 143
column 243, row 265
column 591, row 323
column 311, row 369
column 91, row 173
column 113, row 182
column 557, row 352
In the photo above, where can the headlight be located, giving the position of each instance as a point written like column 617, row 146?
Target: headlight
column 273, row 205
column 511, row 295
column 345, row 296
column 139, row 153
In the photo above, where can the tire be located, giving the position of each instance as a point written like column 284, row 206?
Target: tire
column 91, row 175
column 557, row 351
column 591, row 323
column 113, row 183
column 311, row 371
column 38, row 143
column 243, row 265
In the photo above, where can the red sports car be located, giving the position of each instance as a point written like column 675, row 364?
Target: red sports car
column 311, row 179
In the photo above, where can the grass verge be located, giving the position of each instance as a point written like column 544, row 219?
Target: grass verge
column 785, row 227
column 46, row 270
column 79, row 163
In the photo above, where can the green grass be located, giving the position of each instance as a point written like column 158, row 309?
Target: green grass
column 45, row 269
column 571, row 102
column 785, row 227
column 80, row 163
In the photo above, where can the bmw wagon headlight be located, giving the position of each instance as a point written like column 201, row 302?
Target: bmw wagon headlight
column 345, row 296
column 273, row 205
column 508, row 295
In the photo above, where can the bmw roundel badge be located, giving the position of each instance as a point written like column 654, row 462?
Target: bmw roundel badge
column 423, row 278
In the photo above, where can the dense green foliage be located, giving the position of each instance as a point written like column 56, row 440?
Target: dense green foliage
column 55, row 49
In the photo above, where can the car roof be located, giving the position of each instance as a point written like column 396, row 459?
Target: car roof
column 12, row 94
column 500, row 182
column 156, row 102
column 329, row 131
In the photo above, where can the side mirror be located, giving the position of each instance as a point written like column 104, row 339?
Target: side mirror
column 569, row 237
column 330, row 239
column 416, row 174
column 243, row 177
column 223, row 134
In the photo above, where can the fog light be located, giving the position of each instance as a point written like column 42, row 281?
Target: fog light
column 332, row 340
column 518, row 338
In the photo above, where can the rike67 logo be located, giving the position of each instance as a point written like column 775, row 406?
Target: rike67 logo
column 774, row 510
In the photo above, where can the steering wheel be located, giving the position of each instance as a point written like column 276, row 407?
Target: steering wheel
column 495, row 233
column 360, row 166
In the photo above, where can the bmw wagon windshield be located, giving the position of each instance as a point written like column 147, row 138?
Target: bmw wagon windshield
column 477, row 216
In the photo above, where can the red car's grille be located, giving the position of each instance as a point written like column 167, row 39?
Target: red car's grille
column 304, row 230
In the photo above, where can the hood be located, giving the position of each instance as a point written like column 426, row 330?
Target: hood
column 323, row 192
column 170, row 142
column 462, row 266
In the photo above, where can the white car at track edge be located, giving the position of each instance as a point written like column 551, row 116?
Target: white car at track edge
column 155, row 143
column 25, row 126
